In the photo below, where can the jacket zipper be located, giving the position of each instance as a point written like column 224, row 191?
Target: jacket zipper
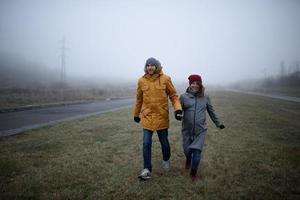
column 195, row 118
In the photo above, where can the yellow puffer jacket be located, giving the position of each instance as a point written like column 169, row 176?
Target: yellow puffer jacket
column 152, row 101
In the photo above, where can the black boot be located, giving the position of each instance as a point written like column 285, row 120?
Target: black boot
column 188, row 164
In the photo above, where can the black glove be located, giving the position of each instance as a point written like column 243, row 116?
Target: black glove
column 221, row 126
column 137, row 119
column 178, row 115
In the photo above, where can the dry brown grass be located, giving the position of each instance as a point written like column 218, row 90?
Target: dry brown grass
column 20, row 97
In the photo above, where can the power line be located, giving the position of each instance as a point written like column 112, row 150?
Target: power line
column 63, row 60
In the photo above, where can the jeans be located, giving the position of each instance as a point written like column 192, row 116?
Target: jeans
column 195, row 156
column 147, row 144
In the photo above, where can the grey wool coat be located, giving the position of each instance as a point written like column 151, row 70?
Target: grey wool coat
column 194, row 127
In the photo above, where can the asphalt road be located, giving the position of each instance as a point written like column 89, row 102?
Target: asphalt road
column 12, row 123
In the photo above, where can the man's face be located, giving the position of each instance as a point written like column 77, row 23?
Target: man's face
column 195, row 86
column 150, row 69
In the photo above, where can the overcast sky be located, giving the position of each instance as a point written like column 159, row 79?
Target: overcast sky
column 222, row 40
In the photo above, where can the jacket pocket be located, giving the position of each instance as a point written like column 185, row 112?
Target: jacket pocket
column 165, row 111
column 145, row 112
column 144, row 88
column 161, row 91
column 160, row 87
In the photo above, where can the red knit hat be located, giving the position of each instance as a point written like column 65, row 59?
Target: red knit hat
column 195, row 77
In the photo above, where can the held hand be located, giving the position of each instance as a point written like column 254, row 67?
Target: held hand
column 221, row 126
column 137, row 119
column 178, row 115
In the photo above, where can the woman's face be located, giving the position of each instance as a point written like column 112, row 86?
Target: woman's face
column 150, row 69
column 195, row 86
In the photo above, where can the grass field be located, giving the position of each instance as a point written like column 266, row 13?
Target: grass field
column 255, row 157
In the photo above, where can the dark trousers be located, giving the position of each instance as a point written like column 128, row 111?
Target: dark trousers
column 195, row 156
column 147, row 145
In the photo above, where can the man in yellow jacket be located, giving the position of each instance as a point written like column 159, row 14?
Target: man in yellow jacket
column 152, row 109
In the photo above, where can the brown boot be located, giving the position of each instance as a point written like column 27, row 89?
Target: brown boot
column 188, row 164
column 194, row 174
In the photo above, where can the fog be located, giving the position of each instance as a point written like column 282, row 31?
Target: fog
column 223, row 41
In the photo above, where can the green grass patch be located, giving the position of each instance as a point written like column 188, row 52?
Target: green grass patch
column 255, row 157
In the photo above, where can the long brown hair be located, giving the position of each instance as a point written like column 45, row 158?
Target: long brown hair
column 201, row 89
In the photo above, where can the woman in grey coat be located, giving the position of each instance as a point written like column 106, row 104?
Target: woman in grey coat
column 195, row 104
